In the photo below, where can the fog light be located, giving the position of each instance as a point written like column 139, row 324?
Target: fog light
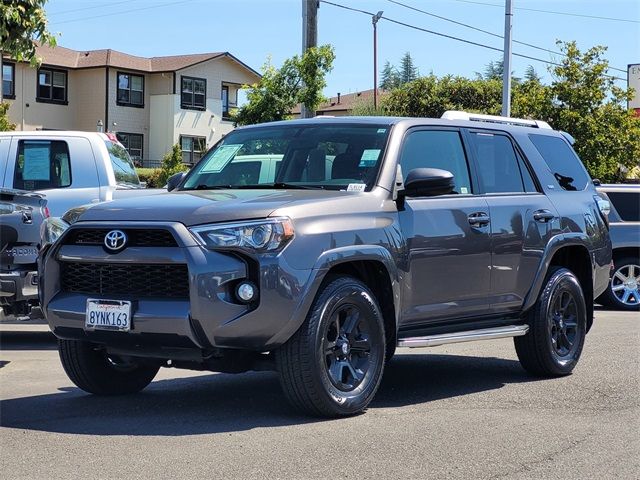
column 246, row 292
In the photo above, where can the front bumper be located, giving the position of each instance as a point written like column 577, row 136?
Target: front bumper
column 18, row 286
column 208, row 318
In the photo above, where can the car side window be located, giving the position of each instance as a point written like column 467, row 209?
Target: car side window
column 562, row 160
column 499, row 167
column 41, row 165
column 437, row 149
column 626, row 204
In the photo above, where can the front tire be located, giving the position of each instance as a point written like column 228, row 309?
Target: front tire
column 557, row 327
column 94, row 372
column 333, row 364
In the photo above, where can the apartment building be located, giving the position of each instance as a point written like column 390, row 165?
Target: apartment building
column 150, row 103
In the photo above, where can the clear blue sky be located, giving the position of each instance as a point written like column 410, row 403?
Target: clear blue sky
column 256, row 29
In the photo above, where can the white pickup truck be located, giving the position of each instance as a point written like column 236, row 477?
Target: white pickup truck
column 69, row 168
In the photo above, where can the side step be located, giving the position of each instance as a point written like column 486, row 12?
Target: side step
column 468, row 336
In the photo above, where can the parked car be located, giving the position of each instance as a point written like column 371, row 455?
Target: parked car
column 69, row 168
column 21, row 217
column 624, row 289
column 372, row 234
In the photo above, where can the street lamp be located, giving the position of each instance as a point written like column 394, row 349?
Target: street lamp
column 374, row 21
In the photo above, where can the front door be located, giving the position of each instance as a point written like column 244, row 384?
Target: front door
column 448, row 247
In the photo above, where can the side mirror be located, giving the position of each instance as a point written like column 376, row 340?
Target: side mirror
column 174, row 180
column 428, row 182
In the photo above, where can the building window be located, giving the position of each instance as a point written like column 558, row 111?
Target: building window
column 8, row 80
column 52, row 86
column 132, row 142
column 193, row 93
column 225, row 101
column 192, row 148
column 130, row 90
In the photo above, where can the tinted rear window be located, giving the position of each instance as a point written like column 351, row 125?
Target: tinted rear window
column 627, row 204
column 562, row 160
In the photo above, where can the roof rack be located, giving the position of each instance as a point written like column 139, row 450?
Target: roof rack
column 477, row 117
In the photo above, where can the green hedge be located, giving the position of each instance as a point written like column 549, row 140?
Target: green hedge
column 151, row 176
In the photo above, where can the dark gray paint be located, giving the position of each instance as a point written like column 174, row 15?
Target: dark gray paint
column 440, row 267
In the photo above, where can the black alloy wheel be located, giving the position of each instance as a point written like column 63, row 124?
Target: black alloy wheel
column 332, row 366
column 557, row 327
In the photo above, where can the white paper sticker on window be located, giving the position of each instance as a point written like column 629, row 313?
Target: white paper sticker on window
column 464, row 190
column 36, row 163
column 220, row 158
column 369, row 157
column 356, row 187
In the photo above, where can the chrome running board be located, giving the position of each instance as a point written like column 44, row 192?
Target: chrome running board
column 468, row 336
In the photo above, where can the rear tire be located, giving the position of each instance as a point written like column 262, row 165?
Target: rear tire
column 332, row 366
column 626, row 282
column 557, row 327
column 94, row 372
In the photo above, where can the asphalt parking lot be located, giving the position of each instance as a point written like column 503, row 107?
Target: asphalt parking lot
column 457, row 411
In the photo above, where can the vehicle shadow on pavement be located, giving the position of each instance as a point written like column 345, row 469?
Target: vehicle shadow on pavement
column 25, row 340
column 227, row 403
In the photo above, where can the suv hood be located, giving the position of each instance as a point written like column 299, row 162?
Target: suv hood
column 199, row 207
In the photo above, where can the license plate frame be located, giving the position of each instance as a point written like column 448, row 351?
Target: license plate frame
column 105, row 314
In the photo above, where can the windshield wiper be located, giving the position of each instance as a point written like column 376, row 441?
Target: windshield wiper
column 281, row 185
column 202, row 186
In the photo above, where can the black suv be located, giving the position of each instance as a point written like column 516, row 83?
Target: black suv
column 316, row 247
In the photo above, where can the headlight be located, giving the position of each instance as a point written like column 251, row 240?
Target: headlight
column 51, row 230
column 270, row 235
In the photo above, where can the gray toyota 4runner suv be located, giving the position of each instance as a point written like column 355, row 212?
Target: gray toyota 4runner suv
column 316, row 247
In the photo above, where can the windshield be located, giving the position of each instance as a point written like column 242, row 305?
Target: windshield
column 123, row 167
column 333, row 157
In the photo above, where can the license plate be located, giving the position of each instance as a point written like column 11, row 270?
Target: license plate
column 108, row 315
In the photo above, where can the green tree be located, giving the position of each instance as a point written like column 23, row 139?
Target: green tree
column 530, row 74
column 389, row 77
column 171, row 164
column 583, row 100
column 300, row 80
column 5, row 124
column 23, row 23
column 408, row 71
column 431, row 96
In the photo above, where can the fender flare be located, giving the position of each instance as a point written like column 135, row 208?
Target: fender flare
column 323, row 265
column 553, row 246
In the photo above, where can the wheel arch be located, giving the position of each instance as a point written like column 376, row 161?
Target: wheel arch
column 371, row 264
column 571, row 253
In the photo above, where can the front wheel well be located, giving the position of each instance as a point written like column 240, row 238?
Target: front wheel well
column 374, row 275
column 576, row 258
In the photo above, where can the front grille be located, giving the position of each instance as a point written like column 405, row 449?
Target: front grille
column 137, row 280
column 136, row 237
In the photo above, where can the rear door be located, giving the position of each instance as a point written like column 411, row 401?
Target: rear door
column 447, row 236
column 522, row 218
column 61, row 168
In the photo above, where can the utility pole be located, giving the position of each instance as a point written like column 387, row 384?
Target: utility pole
column 506, row 62
column 309, row 36
column 374, row 21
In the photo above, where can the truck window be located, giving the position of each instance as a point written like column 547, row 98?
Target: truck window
column 42, row 165
column 562, row 160
column 123, row 167
column 437, row 149
column 627, row 204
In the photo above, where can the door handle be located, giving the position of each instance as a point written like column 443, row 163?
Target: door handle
column 479, row 219
column 543, row 216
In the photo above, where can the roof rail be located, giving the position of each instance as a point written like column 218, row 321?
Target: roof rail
column 477, row 117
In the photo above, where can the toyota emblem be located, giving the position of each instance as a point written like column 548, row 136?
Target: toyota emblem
column 115, row 240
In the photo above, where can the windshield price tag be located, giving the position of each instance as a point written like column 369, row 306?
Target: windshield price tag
column 356, row 187
column 220, row 158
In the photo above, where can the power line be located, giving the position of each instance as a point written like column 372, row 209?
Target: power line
column 452, row 37
column 597, row 17
column 485, row 31
column 121, row 12
column 93, row 7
